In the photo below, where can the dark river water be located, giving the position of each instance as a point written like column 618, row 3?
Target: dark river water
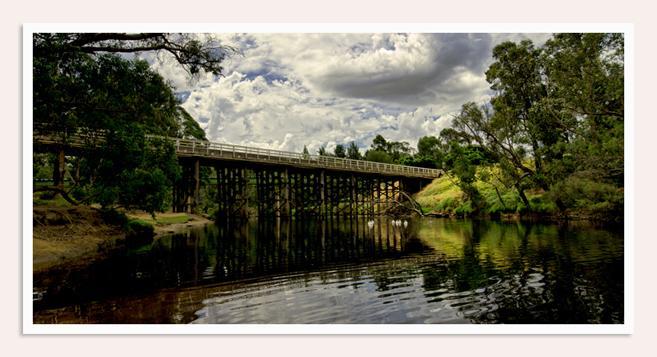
column 343, row 271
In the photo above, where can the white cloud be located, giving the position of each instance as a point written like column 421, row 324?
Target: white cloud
column 289, row 90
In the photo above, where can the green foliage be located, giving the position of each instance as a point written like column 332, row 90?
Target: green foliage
column 42, row 166
column 188, row 127
column 340, row 151
column 177, row 219
column 430, row 153
column 445, row 195
column 553, row 132
column 396, row 151
column 139, row 232
column 195, row 54
column 138, row 226
column 145, row 189
column 379, row 143
column 419, row 161
column 583, row 194
column 114, row 217
column 353, row 152
column 166, row 219
column 47, row 199
column 378, row 156
column 428, row 145
column 78, row 92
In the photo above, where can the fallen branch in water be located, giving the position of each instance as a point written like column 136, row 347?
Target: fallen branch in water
column 415, row 206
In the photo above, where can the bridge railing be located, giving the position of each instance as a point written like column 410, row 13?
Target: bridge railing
column 192, row 147
column 201, row 148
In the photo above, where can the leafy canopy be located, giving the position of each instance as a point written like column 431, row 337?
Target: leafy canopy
column 82, row 85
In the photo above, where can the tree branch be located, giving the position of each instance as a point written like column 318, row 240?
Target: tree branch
column 57, row 190
column 85, row 39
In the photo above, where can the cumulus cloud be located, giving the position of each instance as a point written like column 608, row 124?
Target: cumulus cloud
column 409, row 69
column 285, row 91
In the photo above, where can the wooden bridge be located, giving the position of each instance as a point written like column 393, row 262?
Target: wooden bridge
column 286, row 183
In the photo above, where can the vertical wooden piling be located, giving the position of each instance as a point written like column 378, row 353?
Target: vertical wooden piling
column 197, row 187
column 322, row 193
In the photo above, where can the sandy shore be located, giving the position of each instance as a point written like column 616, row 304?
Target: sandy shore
column 78, row 235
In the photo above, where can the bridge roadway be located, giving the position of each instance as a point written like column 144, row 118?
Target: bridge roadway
column 207, row 150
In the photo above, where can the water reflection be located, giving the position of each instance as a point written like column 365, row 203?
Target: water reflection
column 343, row 271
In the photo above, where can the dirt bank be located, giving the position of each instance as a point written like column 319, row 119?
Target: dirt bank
column 79, row 235
column 71, row 235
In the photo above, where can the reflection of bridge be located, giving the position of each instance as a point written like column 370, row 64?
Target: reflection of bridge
column 287, row 183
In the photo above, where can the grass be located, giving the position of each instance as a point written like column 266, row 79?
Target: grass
column 162, row 219
column 444, row 196
column 42, row 199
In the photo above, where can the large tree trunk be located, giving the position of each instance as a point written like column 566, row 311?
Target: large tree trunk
column 59, row 170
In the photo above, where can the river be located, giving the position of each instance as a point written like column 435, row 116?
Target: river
column 349, row 271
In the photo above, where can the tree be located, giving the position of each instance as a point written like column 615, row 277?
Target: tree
column 322, row 151
column 378, row 156
column 555, row 122
column 396, row 150
column 494, row 135
column 194, row 54
column 188, row 127
column 428, row 145
column 128, row 170
column 305, row 152
column 462, row 162
column 516, row 76
column 429, row 152
column 340, row 151
column 353, row 152
column 81, row 85
column 419, row 161
column 585, row 79
column 379, row 143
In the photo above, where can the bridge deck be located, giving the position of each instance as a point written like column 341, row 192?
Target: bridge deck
column 227, row 152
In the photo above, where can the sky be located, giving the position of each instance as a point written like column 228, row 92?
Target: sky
column 284, row 91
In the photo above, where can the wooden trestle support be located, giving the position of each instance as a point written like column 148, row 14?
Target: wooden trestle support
column 289, row 192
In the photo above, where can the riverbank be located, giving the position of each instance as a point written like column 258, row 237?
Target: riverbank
column 75, row 236
column 443, row 198
column 170, row 223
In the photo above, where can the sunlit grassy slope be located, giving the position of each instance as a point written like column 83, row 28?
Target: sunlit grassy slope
column 444, row 196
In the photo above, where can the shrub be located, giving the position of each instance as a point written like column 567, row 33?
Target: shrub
column 587, row 195
column 139, row 232
column 112, row 216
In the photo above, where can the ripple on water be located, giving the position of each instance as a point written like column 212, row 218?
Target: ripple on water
column 458, row 272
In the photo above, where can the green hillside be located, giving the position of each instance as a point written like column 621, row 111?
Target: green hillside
column 584, row 199
column 445, row 197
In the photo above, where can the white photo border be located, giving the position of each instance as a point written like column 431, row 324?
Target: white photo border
column 627, row 327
